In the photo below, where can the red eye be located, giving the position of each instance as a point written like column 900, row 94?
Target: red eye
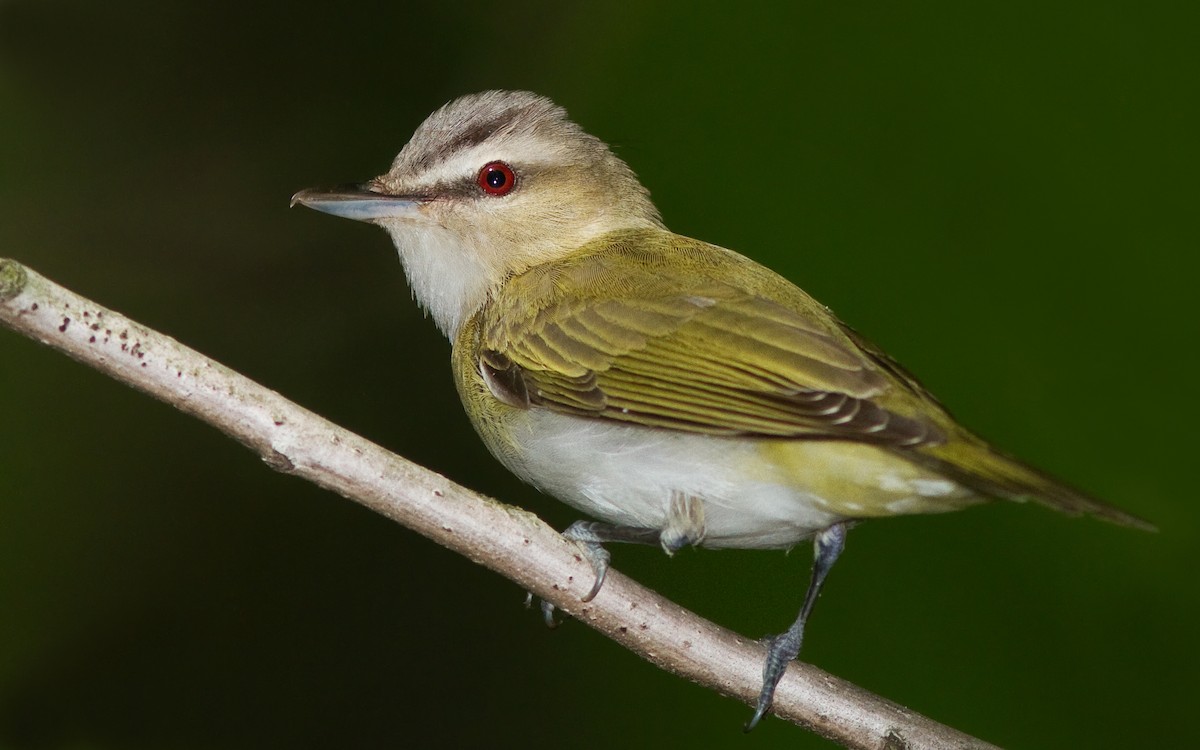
column 497, row 178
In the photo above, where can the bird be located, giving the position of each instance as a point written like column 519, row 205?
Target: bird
column 676, row 392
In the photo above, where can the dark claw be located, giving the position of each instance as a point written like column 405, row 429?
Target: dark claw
column 781, row 650
column 600, row 566
column 583, row 534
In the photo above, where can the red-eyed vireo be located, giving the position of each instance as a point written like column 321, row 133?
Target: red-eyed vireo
column 678, row 391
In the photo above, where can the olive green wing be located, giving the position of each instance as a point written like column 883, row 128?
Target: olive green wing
column 655, row 329
column 649, row 328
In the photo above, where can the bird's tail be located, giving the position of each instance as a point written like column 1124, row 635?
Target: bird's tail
column 975, row 464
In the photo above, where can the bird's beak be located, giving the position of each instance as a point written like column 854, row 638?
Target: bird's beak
column 358, row 202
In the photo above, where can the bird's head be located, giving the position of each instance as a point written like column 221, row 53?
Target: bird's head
column 489, row 185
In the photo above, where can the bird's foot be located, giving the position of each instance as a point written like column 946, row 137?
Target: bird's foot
column 685, row 523
column 546, row 607
column 782, row 649
column 785, row 647
column 589, row 537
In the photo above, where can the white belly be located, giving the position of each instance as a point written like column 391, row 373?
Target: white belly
column 752, row 496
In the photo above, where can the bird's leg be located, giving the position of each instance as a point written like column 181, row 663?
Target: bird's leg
column 591, row 536
column 684, row 526
column 783, row 648
column 685, row 523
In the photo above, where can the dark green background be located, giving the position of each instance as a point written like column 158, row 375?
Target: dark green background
column 1004, row 198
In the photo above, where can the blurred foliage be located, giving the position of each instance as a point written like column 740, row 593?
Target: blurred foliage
column 1004, row 197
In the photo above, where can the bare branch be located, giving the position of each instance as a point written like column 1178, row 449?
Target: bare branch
column 508, row 540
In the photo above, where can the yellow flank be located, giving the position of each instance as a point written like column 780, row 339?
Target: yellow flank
column 860, row 481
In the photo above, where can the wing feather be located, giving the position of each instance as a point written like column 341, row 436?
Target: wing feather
column 649, row 330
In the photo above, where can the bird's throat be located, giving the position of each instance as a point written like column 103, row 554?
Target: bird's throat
column 447, row 280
